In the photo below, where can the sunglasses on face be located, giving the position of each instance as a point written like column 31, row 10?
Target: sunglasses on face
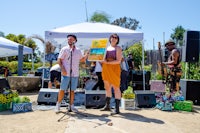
column 114, row 37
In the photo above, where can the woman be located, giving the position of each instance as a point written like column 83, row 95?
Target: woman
column 111, row 71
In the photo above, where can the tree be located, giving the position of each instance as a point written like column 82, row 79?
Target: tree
column 177, row 36
column 21, row 39
column 31, row 43
column 100, row 17
column 125, row 22
column 136, row 51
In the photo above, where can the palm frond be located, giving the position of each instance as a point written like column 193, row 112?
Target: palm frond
column 49, row 48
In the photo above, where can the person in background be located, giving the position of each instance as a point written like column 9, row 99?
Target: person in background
column 130, row 61
column 173, row 64
column 131, row 67
column 111, row 71
column 69, row 58
column 55, row 76
column 98, row 72
column 6, row 72
column 124, row 75
column 92, row 68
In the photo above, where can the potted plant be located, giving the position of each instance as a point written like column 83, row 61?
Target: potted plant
column 128, row 99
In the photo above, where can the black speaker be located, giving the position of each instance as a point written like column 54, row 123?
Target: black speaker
column 145, row 98
column 191, row 44
column 191, row 90
column 47, row 96
column 95, row 99
column 137, row 76
column 139, row 86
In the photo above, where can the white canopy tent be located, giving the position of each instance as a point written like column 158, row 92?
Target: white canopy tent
column 88, row 31
column 10, row 48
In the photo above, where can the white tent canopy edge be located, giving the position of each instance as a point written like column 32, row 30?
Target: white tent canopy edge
column 10, row 48
column 88, row 31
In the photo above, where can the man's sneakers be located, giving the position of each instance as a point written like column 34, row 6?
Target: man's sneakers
column 57, row 108
column 73, row 108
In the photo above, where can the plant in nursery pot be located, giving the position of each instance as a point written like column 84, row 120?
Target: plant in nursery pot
column 6, row 99
column 128, row 99
column 128, row 93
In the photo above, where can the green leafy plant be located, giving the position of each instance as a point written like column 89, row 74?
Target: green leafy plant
column 128, row 94
column 16, row 100
column 23, row 99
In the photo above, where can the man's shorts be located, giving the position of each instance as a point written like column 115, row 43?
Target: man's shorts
column 55, row 74
column 65, row 80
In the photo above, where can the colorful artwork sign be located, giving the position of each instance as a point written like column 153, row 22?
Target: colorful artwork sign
column 98, row 50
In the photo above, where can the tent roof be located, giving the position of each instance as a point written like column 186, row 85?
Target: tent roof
column 10, row 48
column 88, row 31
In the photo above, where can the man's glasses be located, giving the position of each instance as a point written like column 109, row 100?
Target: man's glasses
column 170, row 44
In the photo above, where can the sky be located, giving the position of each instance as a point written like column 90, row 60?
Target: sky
column 157, row 18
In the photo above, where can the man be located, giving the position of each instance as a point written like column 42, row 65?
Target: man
column 124, row 75
column 6, row 72
column 55, row 75
column 131, row 67
column 173, row 64
column 98, row 71
column 69, row 59
column 130, row 61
